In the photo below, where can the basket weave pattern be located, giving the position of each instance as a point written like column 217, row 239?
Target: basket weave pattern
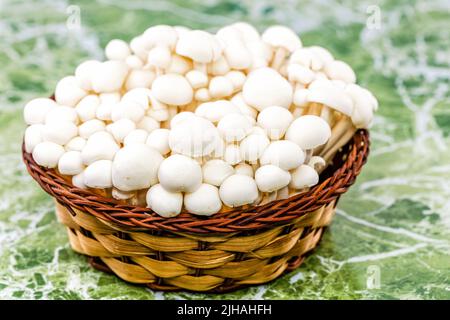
column 244, row 246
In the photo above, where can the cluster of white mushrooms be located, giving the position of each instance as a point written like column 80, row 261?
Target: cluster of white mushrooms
column 183, row 118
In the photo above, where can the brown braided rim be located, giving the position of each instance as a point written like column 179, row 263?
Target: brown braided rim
column 338, row 177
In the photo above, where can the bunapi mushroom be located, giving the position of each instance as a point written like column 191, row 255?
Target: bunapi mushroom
column 270, row 178
column 36, row 110
column 98, row 174
column 284, row 153
column 47, row 154
column 216, row 171
column 204, row 201
column 165, row 203
column 179, row 173
column 283, row 40
column 303, row 177
column 238, row 190
column 172, row 89
column 275, row 120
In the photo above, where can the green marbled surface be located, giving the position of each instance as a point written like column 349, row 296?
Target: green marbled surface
column 393, row 225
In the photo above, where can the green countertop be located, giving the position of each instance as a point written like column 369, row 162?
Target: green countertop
column 390, row 238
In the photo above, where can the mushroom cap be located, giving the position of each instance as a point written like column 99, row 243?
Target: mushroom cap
column 339, row 70
column 363, row 105
column 300, row 97
column 244, row 168
column 110, row 76
column 194, row 137
column 179, row 64
column 70, row 163
column 300, row 74
column 232, row 154
column 284, row 153
column 220, row 87
column 99, row 146
column 304, row 176
column 204, row 201
column 120, row 129
column 75, row 144
column 135, row 167
column 253, row 146
column 136, row 136
column 179, row 173
column 270, row 178
column 87, row 107
column 62, row 113
column 234, row 127
column 159, row 139
column 98, row 174
column 219, row 67
column 160, row 35
column 159, row 57
column 117, row 49
column 245, row 109
column 36, row 110
column 172, row 89
column 248, row 32
column 141, row 96
column 238, row 56
column 265, row 87
column 216, row 171
column 308, row 132
column 214, row 111
column 33, row 136
column 68, row 92
column 127, row 109
column 47, row 154
column 317, row 163
column 238, row 190
column 148, row 124
column 78, row 181
column 180, row 117
column 139, row 79
column 275, row 120
column 59, row 132
column 86, row 129
column 165, row 203
column 197, row 79
column 85, row 72
column 282, row 37
column 323, row 54
column 328, row 93
column 198, row 45
column 237, row 78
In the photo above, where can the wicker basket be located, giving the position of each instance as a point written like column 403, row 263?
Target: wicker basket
column 245, row 246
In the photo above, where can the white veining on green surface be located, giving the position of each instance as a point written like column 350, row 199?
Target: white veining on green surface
column 395, row 219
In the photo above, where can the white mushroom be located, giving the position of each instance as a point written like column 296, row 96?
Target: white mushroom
column 70, row 163
column 120, row 129
column 234, row 127
column 159, row 139
column 363, row 105
column 199, row 45
column 98, row 174
column 33, row 136
column 159, row 58
column 110, row 76
column 87, row 107
column 197, row 79
column 220, row 87
column 202, row 95
column 117, row 50
column 214, row 111
column 47, row 154
column 136, row 136
column 99, row 146
column 135, row 167
column 216, row 171
column 75, row 144
column 219, row 67
column 265, row 87
column 172, row 89
column 85, row 72
column 78, row 181
column 62, row 113
column 88, row 128
column 180, row 117
column 143, row 97
column 68, row 92
column 275, row 120
column 165, row 203
column 308, row 132
column 107, row 103
column 160, row 35
column 245, row 169
column 134, row 62
column 238, row 190
column 59, row 132
column 148, row 124
column 139, row 79
column 138, row 46
column 179, row 64
column 127, row 109
column 179, row 173
column 244, row 108
column 232, row 154
column 36, row 110
column 283, row 40
column 194, row 137
column 284, row 153
column 204, row 201
column 237, row 78
column 253, row 146
column 303, row 177
column 122, row 195
column 339, row 70
column 317, row 163
column 270, row 178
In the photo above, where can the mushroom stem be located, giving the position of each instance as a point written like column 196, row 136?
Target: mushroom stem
column 267, row 197
column 315, row 109
column 342, row 141
column 279, row 57
column 342, row 126
column 308, row 154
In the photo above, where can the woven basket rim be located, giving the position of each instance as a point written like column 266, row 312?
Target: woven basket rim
column 338, row 177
